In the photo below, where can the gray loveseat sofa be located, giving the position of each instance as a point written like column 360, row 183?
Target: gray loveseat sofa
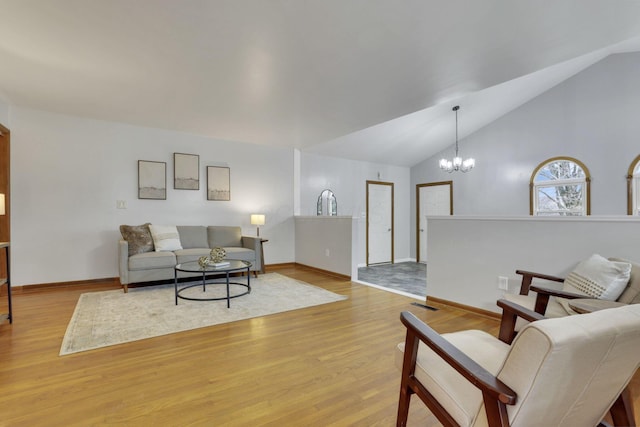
column 149, row 265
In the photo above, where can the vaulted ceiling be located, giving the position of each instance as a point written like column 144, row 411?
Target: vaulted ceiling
column 371, row 80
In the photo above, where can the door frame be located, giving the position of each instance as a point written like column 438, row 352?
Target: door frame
column 392, row 218
column 418, row 187
column 5, row 188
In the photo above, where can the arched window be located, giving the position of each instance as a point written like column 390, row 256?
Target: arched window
column 633, row 188
column 560, row 186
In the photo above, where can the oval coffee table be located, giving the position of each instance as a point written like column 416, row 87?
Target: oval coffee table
column 234, row 266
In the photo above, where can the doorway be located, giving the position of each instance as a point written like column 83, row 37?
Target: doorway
column 380, row 228
column 435, row 198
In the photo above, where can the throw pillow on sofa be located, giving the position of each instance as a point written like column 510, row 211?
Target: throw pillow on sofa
column 165, row 237
column 138, row 237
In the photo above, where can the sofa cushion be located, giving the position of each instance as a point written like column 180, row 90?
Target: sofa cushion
column 151, row 260
column 242, row 254
column 599, row 278
column 138, row 237
column 221, row 236
column 187, row 255
column 193, row 236
column 165, row 237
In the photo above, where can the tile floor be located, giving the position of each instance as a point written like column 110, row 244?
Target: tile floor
column 409, row 277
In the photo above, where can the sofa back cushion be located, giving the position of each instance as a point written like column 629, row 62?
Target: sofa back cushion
column 220, row 236
column 193, row 236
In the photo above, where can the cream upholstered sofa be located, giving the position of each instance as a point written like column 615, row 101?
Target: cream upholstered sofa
column 141, row 261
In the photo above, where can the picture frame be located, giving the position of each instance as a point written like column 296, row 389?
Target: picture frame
column 152, row 180
column 186, row 171
column 218, row 183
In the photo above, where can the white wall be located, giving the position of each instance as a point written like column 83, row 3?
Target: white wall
column 347, row 179
column 327, row 242
column 68, row 172
column 467, row 254
column 591, row 116
column 4, row 113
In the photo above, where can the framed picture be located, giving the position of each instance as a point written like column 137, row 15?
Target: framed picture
column 152, row 180
column 218, row 183
column 186, row 171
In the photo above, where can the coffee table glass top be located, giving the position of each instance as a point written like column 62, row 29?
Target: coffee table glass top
column 194, row 267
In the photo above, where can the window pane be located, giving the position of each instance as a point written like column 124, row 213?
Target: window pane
column 565, row 200
column 636, row 195
column 559, row 169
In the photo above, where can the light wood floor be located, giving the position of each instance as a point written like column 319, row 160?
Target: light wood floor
column 331, row 365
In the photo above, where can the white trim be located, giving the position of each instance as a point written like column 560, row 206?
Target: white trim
column 395, row 291
column 635, row 192
column 398, row 261
column 590, row 218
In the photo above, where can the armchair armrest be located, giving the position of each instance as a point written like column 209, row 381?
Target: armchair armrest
column 490, row 386
column 542, row 299
column 556, row 292
column 510, row 312
column 528, row 276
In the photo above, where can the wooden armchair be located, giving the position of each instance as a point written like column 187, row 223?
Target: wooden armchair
column 541, row 302
column 470, row 378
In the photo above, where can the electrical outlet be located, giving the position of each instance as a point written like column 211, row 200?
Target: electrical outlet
column 327, row 253
column 503, row 283
column 121, row 204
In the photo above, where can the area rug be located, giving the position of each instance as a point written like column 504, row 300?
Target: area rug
column 112, row 317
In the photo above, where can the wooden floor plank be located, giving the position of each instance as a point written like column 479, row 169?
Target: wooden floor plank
column 327, row 365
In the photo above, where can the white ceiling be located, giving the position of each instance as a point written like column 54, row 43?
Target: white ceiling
column 372, row 80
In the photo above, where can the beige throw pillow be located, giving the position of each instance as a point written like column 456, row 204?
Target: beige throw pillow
column 165, row 237
column 599, row 278
column 138, row 237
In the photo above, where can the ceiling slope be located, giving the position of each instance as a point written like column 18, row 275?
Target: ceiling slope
column 309, row 74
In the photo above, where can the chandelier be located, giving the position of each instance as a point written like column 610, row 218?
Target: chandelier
column 457, row 164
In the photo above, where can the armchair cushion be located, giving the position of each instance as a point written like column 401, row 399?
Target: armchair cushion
column 459, row 397
column 599, row 278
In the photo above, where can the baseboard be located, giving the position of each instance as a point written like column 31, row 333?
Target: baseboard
column 109, row 282
column 279, row 266
column 114, row 282
column 470, row 309
column 327, row 272
column 396, row 261
column 404, row 260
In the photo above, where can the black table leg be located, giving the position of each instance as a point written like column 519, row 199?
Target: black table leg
column 228, row 295
column 175, row 283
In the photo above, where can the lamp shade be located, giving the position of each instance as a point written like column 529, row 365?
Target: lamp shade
column 257, row 219
column 2, row 210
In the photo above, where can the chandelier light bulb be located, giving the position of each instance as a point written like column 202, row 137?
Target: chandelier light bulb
column 457, row 164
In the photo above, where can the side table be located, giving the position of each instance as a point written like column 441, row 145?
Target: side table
column 7, row 316
column 262, row 269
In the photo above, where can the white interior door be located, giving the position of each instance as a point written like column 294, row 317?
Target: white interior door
column 434, row 200
column 379, row 223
